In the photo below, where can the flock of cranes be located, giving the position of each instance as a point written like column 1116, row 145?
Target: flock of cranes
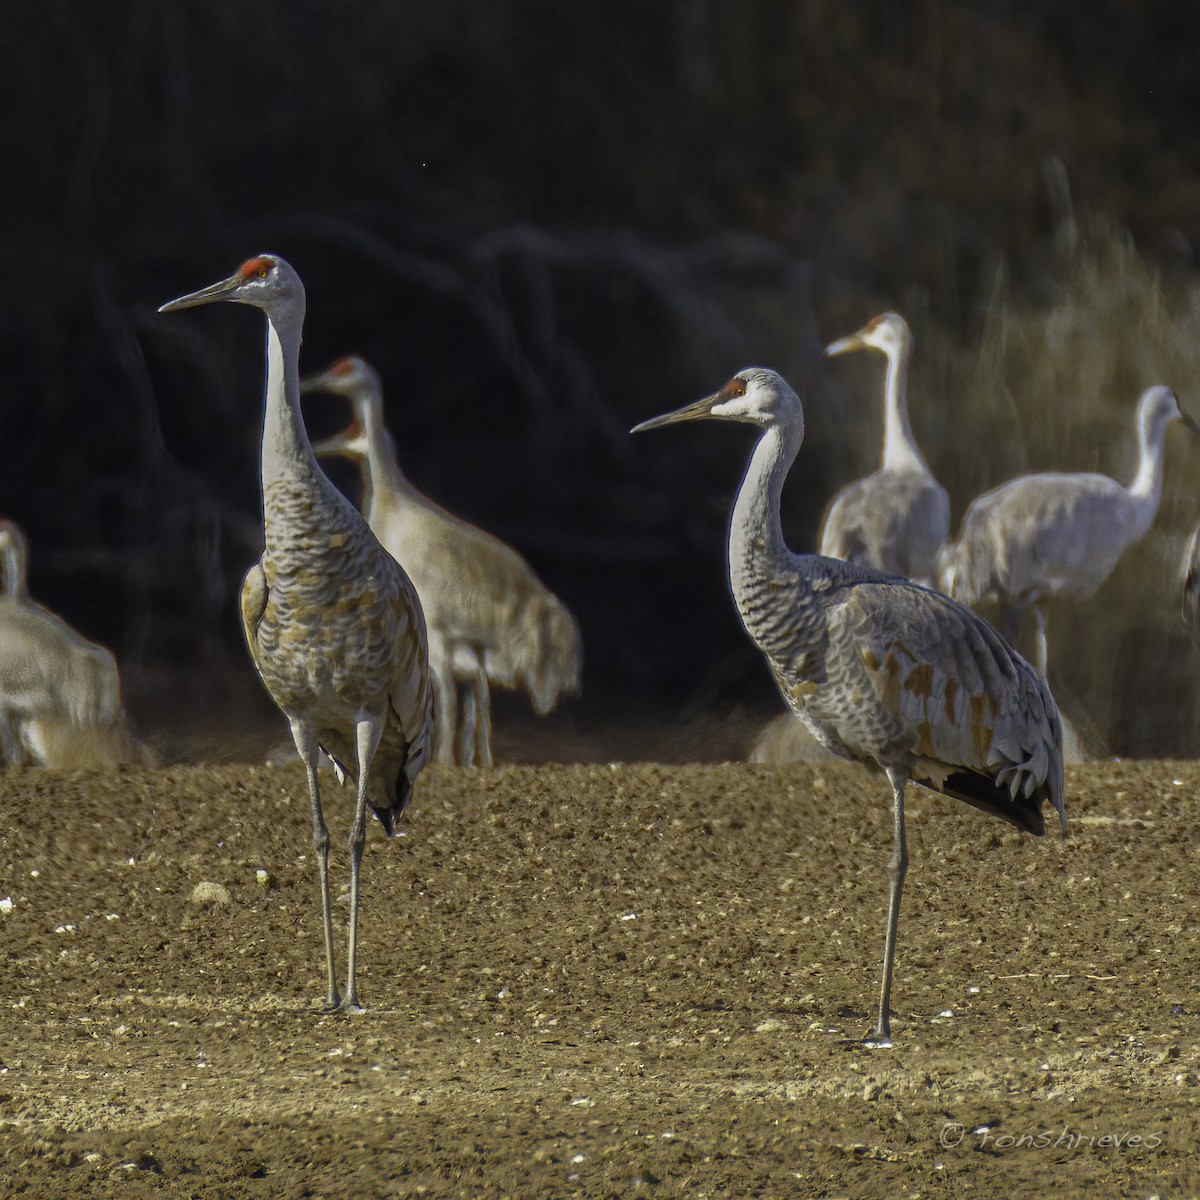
column 380, row 634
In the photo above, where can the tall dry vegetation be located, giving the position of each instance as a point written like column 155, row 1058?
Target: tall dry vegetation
column 1050, row 381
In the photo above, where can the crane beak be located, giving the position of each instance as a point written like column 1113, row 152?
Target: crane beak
column 340, row 443
column 844, row 345
column 697, row 411
column 214, row 291
column 315, row 383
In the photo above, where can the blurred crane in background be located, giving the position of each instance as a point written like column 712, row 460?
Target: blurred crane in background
column 490, row 619
column 333, row 624
column 1054, row 534
column 880, row 669
column 60, row 695
column 898, row 518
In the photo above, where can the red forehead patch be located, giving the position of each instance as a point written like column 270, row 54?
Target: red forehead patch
column 260, row 266
column 734, row 388
column 875, row 322
column 343, row 366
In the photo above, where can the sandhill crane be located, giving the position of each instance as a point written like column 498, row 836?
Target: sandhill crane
column 882, row 670
column 333, row 624
column 490, row 619
column 1058, row 533
column 60, row 694
column 897, row 518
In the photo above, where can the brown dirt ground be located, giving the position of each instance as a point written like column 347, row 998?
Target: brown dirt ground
column 599, row 981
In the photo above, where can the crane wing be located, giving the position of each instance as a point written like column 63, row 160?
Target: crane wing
column 950, row 698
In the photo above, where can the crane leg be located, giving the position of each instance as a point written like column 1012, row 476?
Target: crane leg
column 1040, row 617
column 483, row 718
column 367, row 733
column 446, row 695
column 467, row 725
column 306, row 745
column 897, row 868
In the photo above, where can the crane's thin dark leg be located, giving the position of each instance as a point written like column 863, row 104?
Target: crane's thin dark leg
column 483, row 718
column 897, row 867
column 367, row 734
column 306, row 744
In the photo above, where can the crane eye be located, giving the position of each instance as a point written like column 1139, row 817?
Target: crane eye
column 262, row 272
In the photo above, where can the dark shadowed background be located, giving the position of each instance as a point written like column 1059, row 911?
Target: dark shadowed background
column 543, row 222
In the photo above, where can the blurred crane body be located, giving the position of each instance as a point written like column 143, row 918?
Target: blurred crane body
column 880, row 669
column 1190, row 581
column 333, row 624
column 60, row 694
column 490, row 619
column 898, row 518
column 1054, row 534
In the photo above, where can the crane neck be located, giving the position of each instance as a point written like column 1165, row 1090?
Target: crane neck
column 287, row 455
column 772, row 587
column 15, row 568
column 900, row 451
column 381, row 466
column 1147, row 485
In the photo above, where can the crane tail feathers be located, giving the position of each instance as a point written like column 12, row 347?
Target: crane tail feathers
column 1025, row 812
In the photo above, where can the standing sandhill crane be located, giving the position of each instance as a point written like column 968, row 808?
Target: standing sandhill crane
column 333, row 623
column 898, row 518
column 1058, row 534
column 490, row 619
column 60, row 695
column 882, row 670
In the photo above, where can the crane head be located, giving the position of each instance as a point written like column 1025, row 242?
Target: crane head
column 350, row 443
column 264, row 281
column 349, row 376
column 1159, row 407
column 888, row 333
column 755, row 395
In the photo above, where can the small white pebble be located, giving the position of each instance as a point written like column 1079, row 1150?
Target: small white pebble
column 972, row 990
column 262, row 878
column 6, row 905
column 34, row 874
column 64, row 929
column 112, row 916
column 629, row 917
column 577, row 1158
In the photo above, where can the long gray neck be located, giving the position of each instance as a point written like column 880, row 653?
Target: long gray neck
column 381, row 468
column 772, row 587
column 287, row 456
column 900, row 450
column 1147, row 485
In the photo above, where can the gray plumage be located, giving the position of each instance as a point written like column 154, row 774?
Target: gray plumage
column 60, row 694
column 491, row 620
column 896, row 519
column 1038, row 537
column 880, row 669
column 333, row 624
